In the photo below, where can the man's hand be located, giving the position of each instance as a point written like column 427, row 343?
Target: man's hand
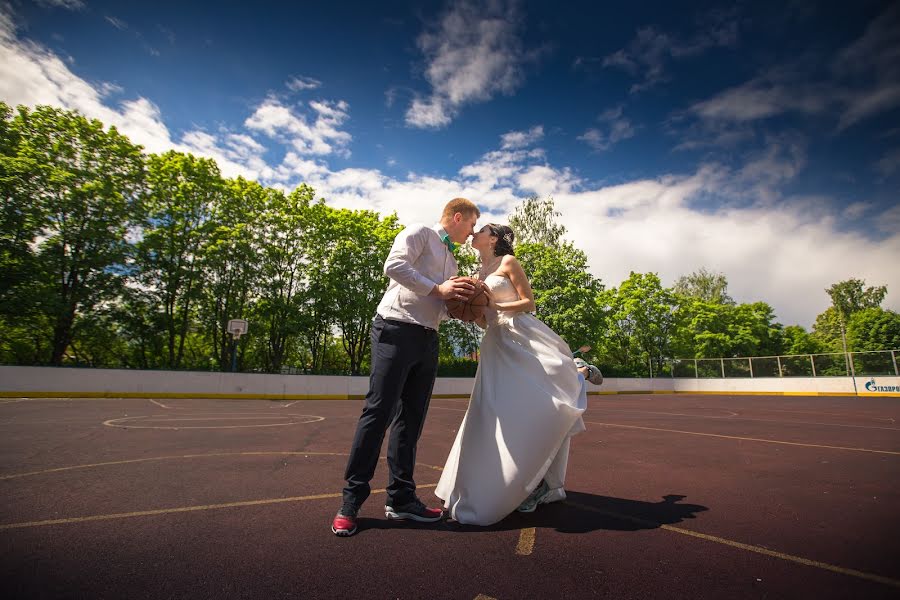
column 453, row 289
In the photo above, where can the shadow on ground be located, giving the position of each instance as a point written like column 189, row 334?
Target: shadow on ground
column 579, row 513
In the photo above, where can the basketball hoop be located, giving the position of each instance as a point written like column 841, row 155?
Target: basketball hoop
column 237, row 328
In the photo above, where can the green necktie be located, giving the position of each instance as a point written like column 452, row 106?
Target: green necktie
column 448, row 242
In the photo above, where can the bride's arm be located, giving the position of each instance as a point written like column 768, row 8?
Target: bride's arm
column 513, row 269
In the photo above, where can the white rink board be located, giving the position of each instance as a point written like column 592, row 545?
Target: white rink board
column 69, row 382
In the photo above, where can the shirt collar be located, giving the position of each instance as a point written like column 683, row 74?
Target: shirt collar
column 445, row 237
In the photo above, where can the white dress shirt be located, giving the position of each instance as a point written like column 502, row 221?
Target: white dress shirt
column 417, row 262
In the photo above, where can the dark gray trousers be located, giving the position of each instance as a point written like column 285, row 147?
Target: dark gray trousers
column 404, row 365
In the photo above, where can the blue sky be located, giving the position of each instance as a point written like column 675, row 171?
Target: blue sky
column 761, row 140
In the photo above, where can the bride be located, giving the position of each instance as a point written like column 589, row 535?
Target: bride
column 513, row 444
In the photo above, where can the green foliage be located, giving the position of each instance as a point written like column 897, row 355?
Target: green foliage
column 850, row 296
column 73, row 196
column 181, row 193
column 457, row 366
column 704, row 285
column 109, row 257
column 796, row 340
column 641, row 325
column 874, row 329
column 567, row 296
column 847, row 298
column 534, row 222
column 359, row 242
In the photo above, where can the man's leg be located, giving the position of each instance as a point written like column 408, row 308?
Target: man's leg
column 389, row 371
column 409, row 422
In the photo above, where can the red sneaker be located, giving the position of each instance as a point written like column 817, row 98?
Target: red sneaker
column 343, row 525
column 415, row 511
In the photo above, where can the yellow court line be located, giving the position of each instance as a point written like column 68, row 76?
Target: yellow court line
column 483, row 597
column 177, row 457
column 179, row 509
column 526, row 542
column 757, row 549
column 746, row 439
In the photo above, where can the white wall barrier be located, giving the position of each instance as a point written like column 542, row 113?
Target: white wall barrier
column 123, row 383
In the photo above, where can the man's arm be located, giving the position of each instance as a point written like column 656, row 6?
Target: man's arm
column 407, row 247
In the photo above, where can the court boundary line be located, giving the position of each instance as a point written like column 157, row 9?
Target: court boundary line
column 180, row 509
column 742, row 546
column 746, row 439
column 183, row 456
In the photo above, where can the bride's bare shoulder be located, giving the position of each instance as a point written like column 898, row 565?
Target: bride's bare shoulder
column 508, row 260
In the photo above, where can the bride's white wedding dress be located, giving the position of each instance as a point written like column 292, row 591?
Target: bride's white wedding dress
column 526, row 404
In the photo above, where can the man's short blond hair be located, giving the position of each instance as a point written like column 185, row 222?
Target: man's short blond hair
column 460, row 205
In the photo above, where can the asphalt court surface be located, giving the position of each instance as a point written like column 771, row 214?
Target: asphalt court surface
column 669, row 496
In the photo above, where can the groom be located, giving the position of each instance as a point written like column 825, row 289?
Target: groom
column 422, row 272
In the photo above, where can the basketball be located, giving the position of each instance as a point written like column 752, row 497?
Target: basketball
column 471, row 308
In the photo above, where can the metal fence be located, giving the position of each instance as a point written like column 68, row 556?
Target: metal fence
column 837, row 364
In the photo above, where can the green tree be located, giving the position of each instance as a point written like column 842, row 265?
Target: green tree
column 534, row 222
column 871, row 330
column 704, row 285
column 283, row 266
column 796, row 340
column 181, row 191
column 567, row 296
column 86, row 183
column 354, row 268
column 851, row 296
column 847, row 298
column 874, row 329
column 231, row 262
column 642, row 322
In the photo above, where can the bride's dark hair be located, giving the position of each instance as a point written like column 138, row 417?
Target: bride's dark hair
column 505, row 239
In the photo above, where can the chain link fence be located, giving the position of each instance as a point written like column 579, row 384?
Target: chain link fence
column 836, row 364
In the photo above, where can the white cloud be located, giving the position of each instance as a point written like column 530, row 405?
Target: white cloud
column 521, row 139
column 66, row 4
column 321, row 137
column 780, row 254
column 473, row 54
column 856, row 210
column 648, row 54
column 785, row 252
column 889, row 163
column 117, row 23
column 300, row 83
column 30, row 74
column 779, row 91
column 864, row 82
column 617, row 128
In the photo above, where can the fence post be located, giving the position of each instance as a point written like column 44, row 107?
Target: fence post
column 778, row 358
column 723, row 367
column 697, row 373
column 813, row 363
column 750, row 362
column 894, row 358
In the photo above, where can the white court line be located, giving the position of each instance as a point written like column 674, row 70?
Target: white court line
column 745, row 439
column 736, row 417
column 159, row 404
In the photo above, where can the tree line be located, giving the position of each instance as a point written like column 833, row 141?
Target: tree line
column 111, row 257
